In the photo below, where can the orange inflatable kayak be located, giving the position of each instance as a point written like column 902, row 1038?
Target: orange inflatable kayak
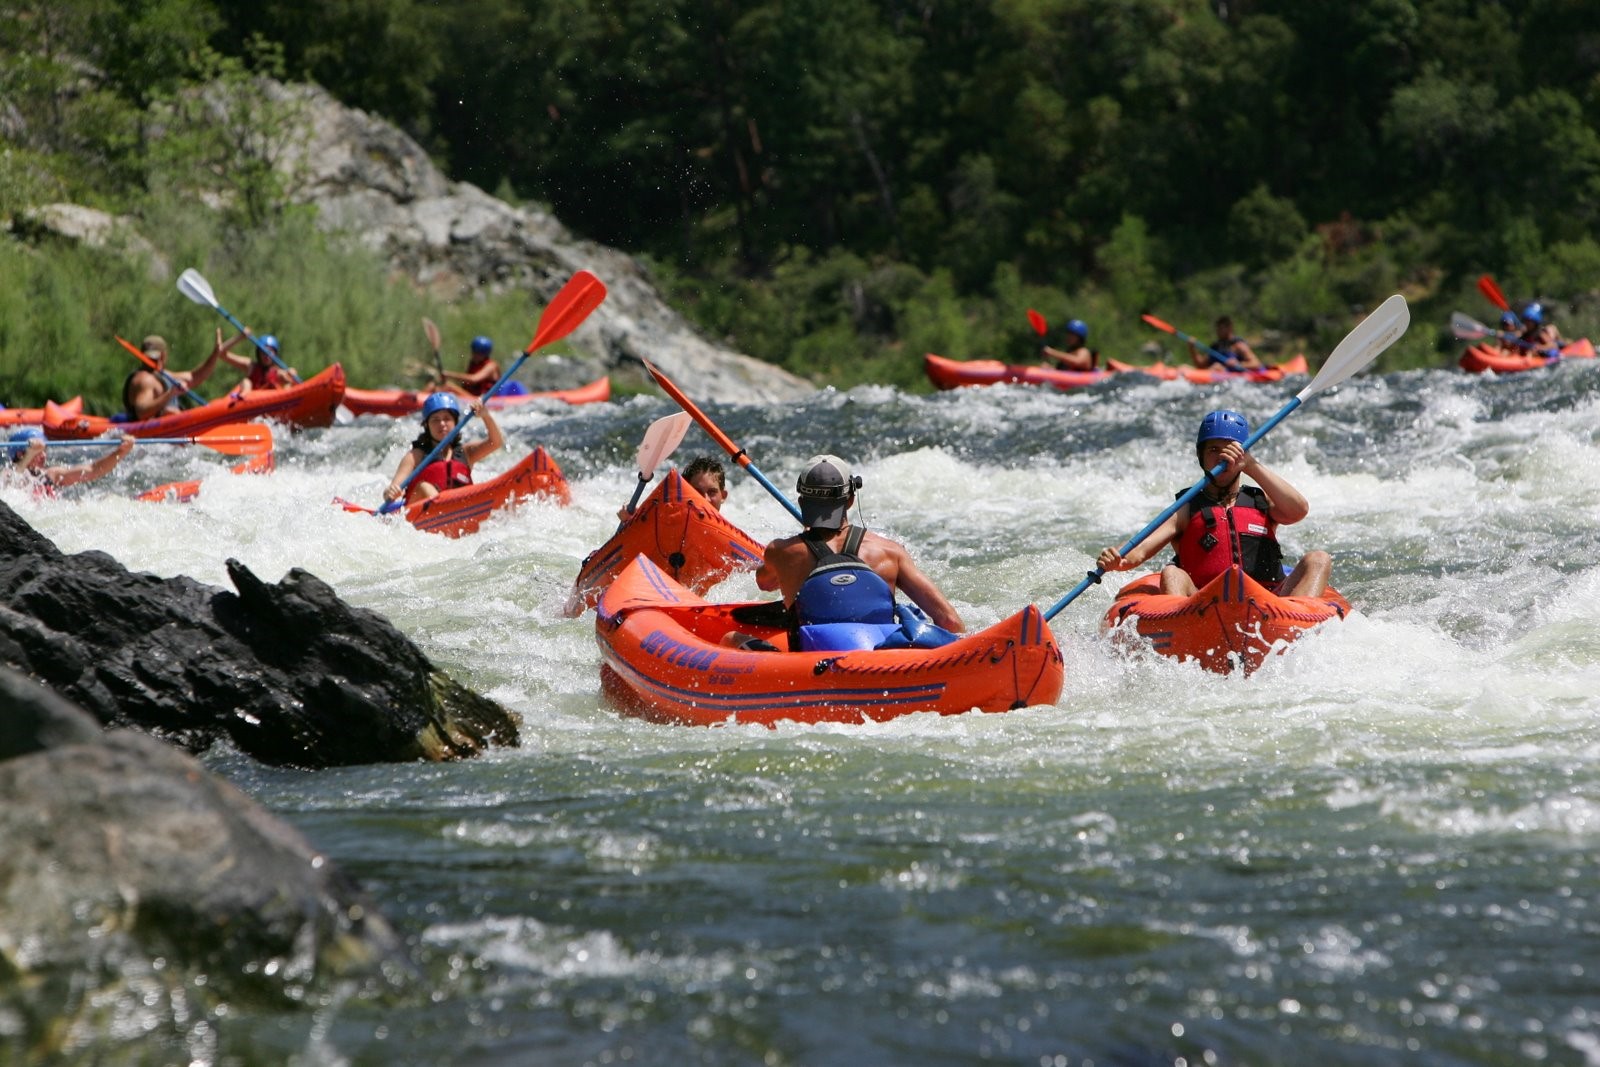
column 675, row 529
column 400, row 402
column 1273, row 373
column 183, row 492
column 1480, row 358
column 956, row 373
column 35, row 416
column 311, row 403
column 461, row 511
column 1234, row 619
column 663, row 660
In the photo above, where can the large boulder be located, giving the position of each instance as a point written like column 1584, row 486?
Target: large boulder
column 138, row 891
column 288, row 672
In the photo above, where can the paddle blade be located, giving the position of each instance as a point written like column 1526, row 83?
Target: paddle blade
column 137, row 352
column 581, row 295
column 239, row 439
column 1362, row 345
column 1491, row 291
column 196, row 288
column 1151, row 320
column 659, row 441
column 1467, row 328
column 1040, row 327
column 433, row 333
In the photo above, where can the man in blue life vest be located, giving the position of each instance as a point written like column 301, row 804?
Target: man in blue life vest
column 1229, row 344
column 1230, row 522
column 840, row 579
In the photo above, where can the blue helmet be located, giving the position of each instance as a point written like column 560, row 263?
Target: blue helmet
column 20, row 438
column 441, row 402
column 482, row 346
column 269, row 341
column 1079, row 327
column 1534, row 313
column 1227, row 425
column 1509, row 320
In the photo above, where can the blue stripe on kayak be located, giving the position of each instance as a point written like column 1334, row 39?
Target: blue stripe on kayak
column 742, row 552
column 454, row 515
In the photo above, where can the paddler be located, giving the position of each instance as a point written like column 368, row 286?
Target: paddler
column 709, row 480
column 453, row 469
column 262, row 370
column 27, row 467
column 1538, row 331
column 1074, row 352
column 482, row 371
column 147, row 393
column 1230, row 522
column 1229, row 344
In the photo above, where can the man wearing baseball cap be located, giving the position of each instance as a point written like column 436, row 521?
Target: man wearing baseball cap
column 153, row 390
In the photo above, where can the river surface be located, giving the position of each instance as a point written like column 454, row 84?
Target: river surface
column 1381, row 848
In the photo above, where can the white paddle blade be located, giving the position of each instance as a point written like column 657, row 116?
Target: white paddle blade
column 1362, row 345
column 659, row 440
column 192, row 285
column 1467, row 328
column 433, row 333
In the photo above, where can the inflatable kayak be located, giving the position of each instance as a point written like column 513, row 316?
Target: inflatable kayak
column 311, row 403
column 1233, row 620
column 461, row 511
column 1271, row 373
column 183, row 492
column 956, row 373
column 35, row 416
column 675, row 529
column 1480, row 358
column 663, row 660
column 399, row 402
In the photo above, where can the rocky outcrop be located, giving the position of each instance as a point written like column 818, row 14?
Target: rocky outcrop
column 137, row 891
column 288, row 672
column 369, row 180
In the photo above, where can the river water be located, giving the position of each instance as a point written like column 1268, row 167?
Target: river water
column 1378, row 849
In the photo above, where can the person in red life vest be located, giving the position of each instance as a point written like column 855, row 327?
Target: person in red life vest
column 1074, row 352
column 450, row 469
column 27, row 466
column 262, row 371
column 1229, row 344
column 151, row 391
column 839, row 579
column 1230, row 522
column 482, row 371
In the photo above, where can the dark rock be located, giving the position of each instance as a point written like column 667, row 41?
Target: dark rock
column 289, row 672
column 32, row 719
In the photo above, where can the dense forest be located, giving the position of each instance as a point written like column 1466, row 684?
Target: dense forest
column 840, row 185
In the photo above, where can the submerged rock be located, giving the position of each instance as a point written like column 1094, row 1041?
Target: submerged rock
column 289, row 672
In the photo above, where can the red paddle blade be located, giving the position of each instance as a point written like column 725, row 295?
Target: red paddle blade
column 239, row 439
column 1040, row 327
column 1151, row 320
column 138, row 353
column 570, row 307
column 1492, row 292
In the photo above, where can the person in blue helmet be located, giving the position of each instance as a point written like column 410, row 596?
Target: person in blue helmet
column 1229, row 344
column 1230, row 522
column 481, row 374
column 1538, row 331
column 452, row 468
column 26, row 451
column 840, row 579
column 261, row 370
column 1073, row 353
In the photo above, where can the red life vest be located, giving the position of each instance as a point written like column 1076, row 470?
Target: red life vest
column 479, row 388
column 448, row 473
column 1217, row 538
column 265, row 376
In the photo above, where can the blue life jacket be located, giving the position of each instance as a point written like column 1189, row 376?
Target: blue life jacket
column 843, row 604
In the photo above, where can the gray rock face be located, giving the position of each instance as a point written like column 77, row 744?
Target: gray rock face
column 288, row 672
column 371, row 181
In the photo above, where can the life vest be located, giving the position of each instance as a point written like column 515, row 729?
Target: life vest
column 479, row 388
column 1228, row 348
column 843, row 604
column 265, row 376
column 451, row 472
column 1217, row 538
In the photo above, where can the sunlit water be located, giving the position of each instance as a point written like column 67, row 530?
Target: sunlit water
column 1379, row 849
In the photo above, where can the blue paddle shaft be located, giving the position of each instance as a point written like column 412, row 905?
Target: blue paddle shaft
column 755, row 472
column 1231, row 362
column 1547, row 353
column 263, row 349
column 1189, row 494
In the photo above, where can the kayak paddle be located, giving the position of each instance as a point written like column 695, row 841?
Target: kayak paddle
column 1231, row 362
column 581, row 295
column 1036, row 320
column 1361, row 346
column 1466, row 328
column 433, row 339
column 735, row 453
column 183, row 390
column 1491, row 292
column 659, row 440
column 239, row 439
column 192, row 285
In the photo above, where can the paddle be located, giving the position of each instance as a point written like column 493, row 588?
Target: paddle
column 1492, row 292
column 735, row 453
column 184, row 392
column 581, row 295
column 1040, row 327
column 1231, row 362
column 1466, row 328
column 433, row 339
column 1361, row 346
column 239, row 439
column 196, row 288
column 659, row 441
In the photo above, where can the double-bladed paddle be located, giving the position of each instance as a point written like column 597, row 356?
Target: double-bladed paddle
column 581, row 295
column 1227, row 360
column 735, row 453
column 194, row 286
column 239, row 439
column 1492, row 293
column 1360, row 347
column 433, row 339
column 1466, row 328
